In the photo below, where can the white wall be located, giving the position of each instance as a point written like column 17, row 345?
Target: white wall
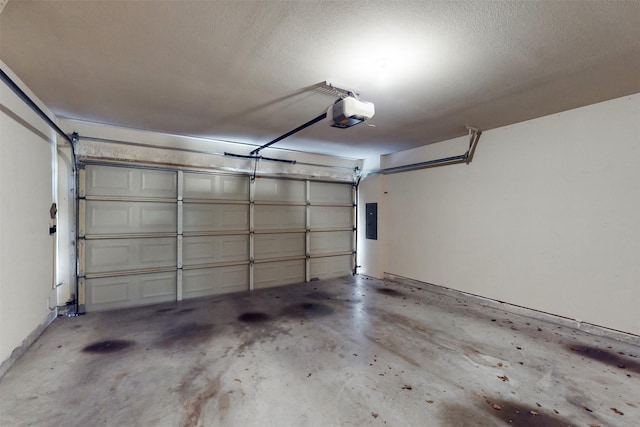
column 27, row 162
column 370, row 253
column 547, row 215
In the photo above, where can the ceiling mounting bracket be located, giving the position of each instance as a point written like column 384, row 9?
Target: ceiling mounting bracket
column 335, row 90
column 474, row 137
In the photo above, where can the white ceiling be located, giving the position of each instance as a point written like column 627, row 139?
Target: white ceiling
column 245, row 70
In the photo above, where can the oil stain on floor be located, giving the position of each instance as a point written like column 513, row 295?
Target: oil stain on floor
column 108, row 346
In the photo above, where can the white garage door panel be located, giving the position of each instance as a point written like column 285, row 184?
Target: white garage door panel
column 331, row 242
column 209, row 249
column 215, row 281
column 111, row 217
column 329, row 267
column 150, row 236
column 129, row 254
column 280, row 190
column 270, row 274
column 128, row 291
column 110, row 181
column 324, row 192
column 222, row 187
column 331, row 217
column 202, row 217
column 279, row 245
column 270, row 217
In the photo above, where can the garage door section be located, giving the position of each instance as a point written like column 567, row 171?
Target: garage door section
column 128, row 246
column 331, row 230
column 215, row 234
column 279, row 238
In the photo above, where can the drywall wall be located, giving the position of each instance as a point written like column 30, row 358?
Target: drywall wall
column 546, row 215
column 27, row 162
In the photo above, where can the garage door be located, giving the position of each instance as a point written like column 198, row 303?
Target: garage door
column 149, row 235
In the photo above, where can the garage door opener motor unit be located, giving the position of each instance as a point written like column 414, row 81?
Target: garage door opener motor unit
column 349, row 111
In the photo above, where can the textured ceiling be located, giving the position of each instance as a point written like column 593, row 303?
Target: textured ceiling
column 245, row 70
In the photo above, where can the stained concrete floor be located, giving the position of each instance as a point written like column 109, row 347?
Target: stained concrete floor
column 347, row 352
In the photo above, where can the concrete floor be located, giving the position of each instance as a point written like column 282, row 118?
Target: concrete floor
column 347, row 352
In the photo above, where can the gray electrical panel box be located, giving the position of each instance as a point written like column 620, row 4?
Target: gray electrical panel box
column 372, row 221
